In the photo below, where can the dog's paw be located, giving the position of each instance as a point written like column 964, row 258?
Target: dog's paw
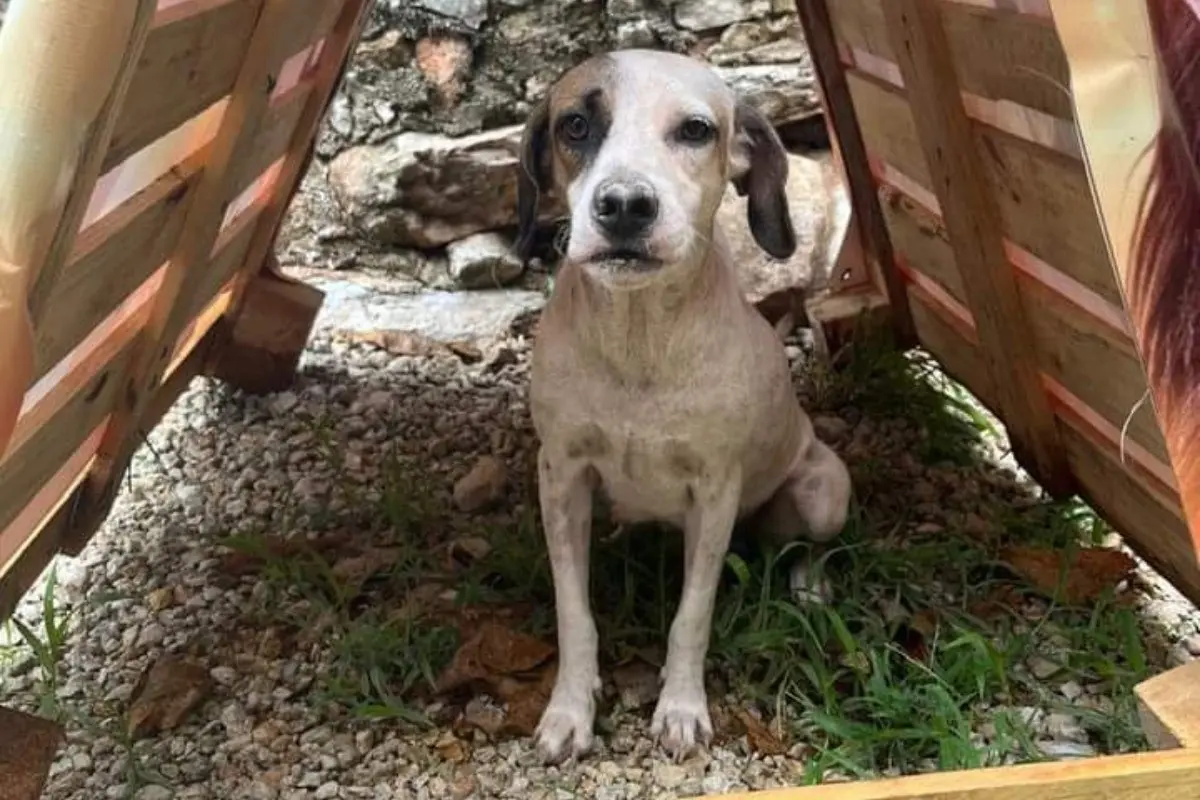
column 681, row 722
column 565, row 730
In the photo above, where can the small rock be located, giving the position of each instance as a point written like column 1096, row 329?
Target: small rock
column 471, row 13
column 445, row 61
column 327, row 791
column 483, row 261
column 226, row 676
column 1042, row 668
column 1071, row 690
column 283, row 403
column 1067, row 750
column 669, row 776
column 830, row 429
column 482, row 486
column 704, row 15
column 152, row 635
column 155, row 792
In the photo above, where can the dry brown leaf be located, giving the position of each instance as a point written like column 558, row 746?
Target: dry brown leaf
column 762, row 739
column 492, row 653
column 451, row 748
column 1083, row 580
column 468, row 550
column 166, row 694
column 514, row 667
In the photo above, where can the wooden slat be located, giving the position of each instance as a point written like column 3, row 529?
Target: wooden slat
column 1171, row 775
column 1152, row 524
column 1101, row 368
column 888, row 128
column 1167, row 706
column 998, row 54
column 1046, row 205
column 921, row 238
column 977, row 238
column 191, row 60
column 24, row 471
column 841, row 111
column 116, row 254
column 112, row 258
column 959, row 356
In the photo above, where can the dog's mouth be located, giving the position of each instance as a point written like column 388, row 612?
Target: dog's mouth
column 632, row 259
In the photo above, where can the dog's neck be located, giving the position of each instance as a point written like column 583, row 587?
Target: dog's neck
column 649, row 333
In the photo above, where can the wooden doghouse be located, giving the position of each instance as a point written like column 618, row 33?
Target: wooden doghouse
column 143, row 182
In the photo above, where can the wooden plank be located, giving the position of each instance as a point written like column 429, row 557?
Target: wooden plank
column 21, row 573
column 958, row 355
column 888, row 128
column 999, row 54
column 92, row 148
column 977, row 238
column 1167, row 706
column 921, row 238
column 1006, row 55
column 1153, row 525
column 1171, row 775
column 116, row 254
column 841, row 112
column 1094, row 363
column 25, row 471
column 191, row 60
column 1046, row 205
column 112, row 258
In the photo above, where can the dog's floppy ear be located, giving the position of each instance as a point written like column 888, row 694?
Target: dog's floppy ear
column 533, row 176
column 760, row 174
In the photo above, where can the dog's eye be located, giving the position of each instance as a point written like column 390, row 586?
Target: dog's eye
column 696, row 130
column 575, row 128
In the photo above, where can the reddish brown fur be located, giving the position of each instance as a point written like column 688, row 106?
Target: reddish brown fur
column 1163, row 284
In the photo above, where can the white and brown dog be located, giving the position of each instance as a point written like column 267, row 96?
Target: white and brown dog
column 653, row 379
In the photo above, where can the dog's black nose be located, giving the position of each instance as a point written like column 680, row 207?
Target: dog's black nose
column 624, row 209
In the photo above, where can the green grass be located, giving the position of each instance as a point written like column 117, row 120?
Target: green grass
column 896, row 674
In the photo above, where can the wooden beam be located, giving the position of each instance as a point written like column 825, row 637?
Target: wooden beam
column 835, row 317
column 1170, row 775
column 973, row 224
column 1169, row 707
column 839, row 108
column 27, row 751
column 262, row 349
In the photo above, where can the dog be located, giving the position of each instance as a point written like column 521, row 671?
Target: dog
column 652, row 377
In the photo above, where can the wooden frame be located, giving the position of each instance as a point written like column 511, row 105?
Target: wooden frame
column 187, row 126
column 991, row 228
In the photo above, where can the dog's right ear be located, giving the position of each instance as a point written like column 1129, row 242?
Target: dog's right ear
column 533, row 177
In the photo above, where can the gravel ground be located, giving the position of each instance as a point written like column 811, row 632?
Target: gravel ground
column 156, row 581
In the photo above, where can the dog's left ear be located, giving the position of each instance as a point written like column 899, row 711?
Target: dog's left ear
column 533, row 177
column 760, row 169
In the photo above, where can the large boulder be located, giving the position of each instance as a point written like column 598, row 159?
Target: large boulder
column 782, row 92
column 820, row 209
column 427, row 190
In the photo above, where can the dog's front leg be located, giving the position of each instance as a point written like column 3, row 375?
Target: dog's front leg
column 565, row 491
column 681, row 720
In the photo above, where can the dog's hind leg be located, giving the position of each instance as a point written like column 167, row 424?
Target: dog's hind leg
column 813, row 503
column 814, row 500
column 565, row 494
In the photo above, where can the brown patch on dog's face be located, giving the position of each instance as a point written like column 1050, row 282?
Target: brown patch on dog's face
column 642, row 144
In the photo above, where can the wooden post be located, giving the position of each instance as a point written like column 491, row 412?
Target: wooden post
column 52, row 141
column 262, row 347
column 839, row 108
column 973, row 224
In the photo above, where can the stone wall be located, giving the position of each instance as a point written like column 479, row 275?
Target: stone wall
column 420, row 150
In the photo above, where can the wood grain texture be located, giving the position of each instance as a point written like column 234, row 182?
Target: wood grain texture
column 1169, row 707
column 841, row 112
column 976, row 236
column 921, row 239
column 27, row 751
column 1173, row 775
column 191, row 60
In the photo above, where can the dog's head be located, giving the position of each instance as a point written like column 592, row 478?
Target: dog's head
column 642, row 145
